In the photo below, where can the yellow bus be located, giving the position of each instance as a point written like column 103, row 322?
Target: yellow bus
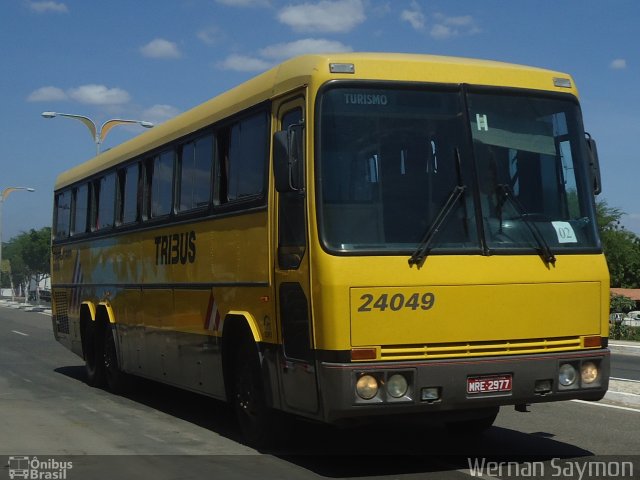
column 345, row 238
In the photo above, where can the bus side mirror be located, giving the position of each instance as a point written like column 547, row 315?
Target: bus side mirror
column 594, row 165
column 288, row 159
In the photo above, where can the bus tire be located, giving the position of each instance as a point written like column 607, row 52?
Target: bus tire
column 474, row 426
column 256, row 419
column 115, row 378
column 93, row 345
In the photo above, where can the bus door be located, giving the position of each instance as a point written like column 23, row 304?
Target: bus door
column 297, row 360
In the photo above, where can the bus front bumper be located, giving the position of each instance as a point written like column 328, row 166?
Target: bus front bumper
column 461, row 384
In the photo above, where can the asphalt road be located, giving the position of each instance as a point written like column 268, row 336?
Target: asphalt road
column 625, row 366
column 159, row 432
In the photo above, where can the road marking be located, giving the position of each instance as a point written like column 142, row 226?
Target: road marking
column 20, row 333
column 154, row 438
column 27, row 380
column 93, row 410
column 628, row 409
column 623, row 346
column 624, row 379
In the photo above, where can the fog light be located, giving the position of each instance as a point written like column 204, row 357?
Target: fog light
column 397, row 385
column 430, row 394
column 589, row 372
column 543, row 386
column 567, row 375
column 367, row 387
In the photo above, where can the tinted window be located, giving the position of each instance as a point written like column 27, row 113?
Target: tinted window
column 80, row 208
column 63, row 214
column 128, row 185
column 161, row 184
column 246, row 158
column 106, row 201
column 195, row 173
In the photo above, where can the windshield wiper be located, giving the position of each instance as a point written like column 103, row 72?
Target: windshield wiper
column 417, row 258
column 545, row 252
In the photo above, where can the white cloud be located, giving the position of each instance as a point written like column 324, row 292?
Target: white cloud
column 160, row 48
column 414, row 16
column 272, row 54
column 99, row 95
column 245, row 3
column 210, row 35
column 159, row 113
column 447, row 27
column 48, row 6
column 334, row 16
column 618, row 64
column 282, row 51
column 242, row 63
column 47, row 94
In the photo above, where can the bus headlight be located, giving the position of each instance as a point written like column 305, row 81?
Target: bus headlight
column 567, row 375
column 367, row 387
column 397, row 385
column 588, row 372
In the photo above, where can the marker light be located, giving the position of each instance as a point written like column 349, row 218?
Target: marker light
column 367, row 387
column 342, row 68
column 589, row 372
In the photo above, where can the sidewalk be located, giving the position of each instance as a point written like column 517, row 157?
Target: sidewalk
column 624, row 346
column 624, row 392
column 27, row 307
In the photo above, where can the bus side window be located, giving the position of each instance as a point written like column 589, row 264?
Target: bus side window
column 106, row 202
column 194, row 174
column 63, row 214
column 242, row 158
column 80, row 209
column 128, row 187
column 159, row 184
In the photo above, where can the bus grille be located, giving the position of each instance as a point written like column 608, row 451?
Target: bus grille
column 61, row 311
column 479, row 349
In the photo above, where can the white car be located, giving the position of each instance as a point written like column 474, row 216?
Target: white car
column 632, row 319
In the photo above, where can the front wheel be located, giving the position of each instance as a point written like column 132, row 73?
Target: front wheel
column 256, row 419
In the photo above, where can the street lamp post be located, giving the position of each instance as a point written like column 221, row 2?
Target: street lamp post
column 98, row 135
column 5, row 193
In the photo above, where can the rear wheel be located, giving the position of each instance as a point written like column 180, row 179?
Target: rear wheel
column 93, row 349
column 114, row 377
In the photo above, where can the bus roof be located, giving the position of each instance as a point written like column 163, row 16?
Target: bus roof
column 314, row 70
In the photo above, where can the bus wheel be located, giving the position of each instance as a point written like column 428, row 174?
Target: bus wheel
column 256, row 419
column 93, row 355
column 474, row 426
column 114, row 377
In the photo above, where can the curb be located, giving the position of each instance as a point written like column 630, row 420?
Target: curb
column 625, row 392
column 625, row 347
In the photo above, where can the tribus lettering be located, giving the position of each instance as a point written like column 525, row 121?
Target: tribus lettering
column 176, row 248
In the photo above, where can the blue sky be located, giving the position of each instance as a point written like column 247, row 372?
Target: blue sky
column 151, row 59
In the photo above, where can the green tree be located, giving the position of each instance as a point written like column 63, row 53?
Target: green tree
column 29, row 256
column 621, row 247
column 621, row 304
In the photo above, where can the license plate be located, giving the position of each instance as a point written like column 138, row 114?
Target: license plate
column 494, row 383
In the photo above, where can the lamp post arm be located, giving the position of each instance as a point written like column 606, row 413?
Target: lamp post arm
column 109, row 124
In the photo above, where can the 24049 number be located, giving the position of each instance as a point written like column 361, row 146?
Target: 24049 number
column 397, row 302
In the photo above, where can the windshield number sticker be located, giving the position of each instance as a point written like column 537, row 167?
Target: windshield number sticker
column 565, row 232
column 397, row 302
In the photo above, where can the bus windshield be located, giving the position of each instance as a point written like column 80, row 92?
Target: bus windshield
column 388, row 160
